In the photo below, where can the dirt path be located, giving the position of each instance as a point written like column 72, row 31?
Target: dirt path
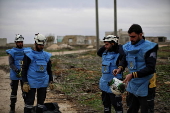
column 70, row 52
column 5, row 94
column 65, row 105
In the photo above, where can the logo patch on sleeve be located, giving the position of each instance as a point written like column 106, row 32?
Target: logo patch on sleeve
column 153, row 54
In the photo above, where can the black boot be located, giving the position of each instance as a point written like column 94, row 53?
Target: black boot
column 12, row 110
column 39, row 110
column 28, row 110
column 13, row 101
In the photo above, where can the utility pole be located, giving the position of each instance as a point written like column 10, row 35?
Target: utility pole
column 97, row 26
column 115, row 18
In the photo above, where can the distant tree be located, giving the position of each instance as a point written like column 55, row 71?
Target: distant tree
column 50, row 39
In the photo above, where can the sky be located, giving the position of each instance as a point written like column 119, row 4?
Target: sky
column 77, row 17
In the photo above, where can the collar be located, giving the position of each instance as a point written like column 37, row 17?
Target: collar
column 140, row 42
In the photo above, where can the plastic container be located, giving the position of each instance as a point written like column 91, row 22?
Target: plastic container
column 117, row 84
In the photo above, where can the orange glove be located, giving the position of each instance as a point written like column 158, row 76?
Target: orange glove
column 51, row 85
column 26, row 87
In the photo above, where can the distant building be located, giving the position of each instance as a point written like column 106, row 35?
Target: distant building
column 156, row 39
column 90, row 40
column 59, row 39
column 79, row 40
column 3, row 41
column 124, row 37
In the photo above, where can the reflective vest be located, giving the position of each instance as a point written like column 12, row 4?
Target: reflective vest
column 108, row 65
column 17, row 54
column 37, row 72
column 135, row 57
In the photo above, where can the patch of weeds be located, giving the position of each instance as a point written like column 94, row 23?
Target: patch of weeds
column 3, row 53
column 93, row 100
column 164, row 52
column 163, row 89
column 81, row 80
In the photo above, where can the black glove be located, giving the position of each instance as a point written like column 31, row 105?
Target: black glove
column 18, row 73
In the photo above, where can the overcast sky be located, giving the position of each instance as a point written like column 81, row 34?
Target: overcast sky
column 77, row 17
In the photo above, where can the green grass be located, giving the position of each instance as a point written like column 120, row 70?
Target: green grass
column 80, row 74
column 164, row 52
column 81, row 82
column 3, row 52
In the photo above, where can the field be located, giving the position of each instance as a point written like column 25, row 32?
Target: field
column 77, row 75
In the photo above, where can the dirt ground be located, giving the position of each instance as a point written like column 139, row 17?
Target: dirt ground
column 70, row 52
column 52, row 96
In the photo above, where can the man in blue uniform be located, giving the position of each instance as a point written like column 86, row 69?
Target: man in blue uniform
column 111, row 54
column 16, row 55
column 140, row 59
column 36, row 75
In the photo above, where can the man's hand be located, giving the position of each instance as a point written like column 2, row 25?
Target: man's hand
column 51, row 85
column 18, row 73
column 116, row 71
column 128, row 78
column 26, row 87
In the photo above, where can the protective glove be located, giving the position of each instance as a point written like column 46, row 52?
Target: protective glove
column 26, row 87
column 18, row 75
column 51, row 85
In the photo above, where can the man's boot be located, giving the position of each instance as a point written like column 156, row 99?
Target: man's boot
column 28, row 110
column 39, row 110
column 12, row 110
column 13, row 101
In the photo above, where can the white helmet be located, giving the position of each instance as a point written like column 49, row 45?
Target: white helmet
column 110, row 38
column 19, row 38
column 40, row 39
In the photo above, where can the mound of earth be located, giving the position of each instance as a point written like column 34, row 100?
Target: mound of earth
column 55, row 47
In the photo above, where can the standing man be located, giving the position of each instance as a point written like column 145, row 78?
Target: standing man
column 111, row 54
column 140, row 59
column 16, row 55
column 36, row 75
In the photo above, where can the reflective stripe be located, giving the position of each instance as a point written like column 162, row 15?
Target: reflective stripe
column 150, row 100
column 106, row 109
column 29, row 106
column 13, row 96
column 40, row 106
